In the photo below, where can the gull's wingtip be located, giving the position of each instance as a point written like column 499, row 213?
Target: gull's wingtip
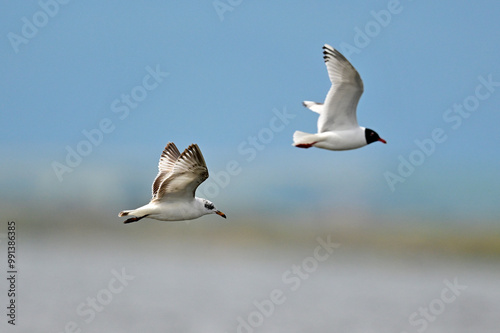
column 327, row 46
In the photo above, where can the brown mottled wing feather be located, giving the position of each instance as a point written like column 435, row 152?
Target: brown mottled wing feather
column 165, row 166
column 188, row 173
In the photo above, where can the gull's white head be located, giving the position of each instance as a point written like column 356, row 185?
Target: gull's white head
column 210, row 208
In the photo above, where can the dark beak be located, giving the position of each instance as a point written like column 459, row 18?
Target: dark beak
column 218, row 212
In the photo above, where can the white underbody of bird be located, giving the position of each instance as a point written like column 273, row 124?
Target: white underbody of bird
column 338, row 127
column 174, row 188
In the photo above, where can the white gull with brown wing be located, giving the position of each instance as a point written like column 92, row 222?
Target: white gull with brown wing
column 174, row 188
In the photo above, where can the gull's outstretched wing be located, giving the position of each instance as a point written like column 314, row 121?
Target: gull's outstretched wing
column 339, row 109
column 165, row 166
column 188, row 172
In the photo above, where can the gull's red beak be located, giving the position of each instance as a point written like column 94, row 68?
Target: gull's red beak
column 382, row 140
column 218, row 212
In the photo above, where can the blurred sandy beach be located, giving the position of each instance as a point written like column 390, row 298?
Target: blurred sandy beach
column 235, row 276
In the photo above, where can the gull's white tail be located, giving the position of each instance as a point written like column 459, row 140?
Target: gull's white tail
column 124, row 213
column 304, row 140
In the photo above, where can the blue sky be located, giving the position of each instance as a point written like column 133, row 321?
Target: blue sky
column 134, row 76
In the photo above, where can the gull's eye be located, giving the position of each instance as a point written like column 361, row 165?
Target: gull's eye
column 209, row 205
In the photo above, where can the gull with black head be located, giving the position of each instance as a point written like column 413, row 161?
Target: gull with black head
column 338, row 127
column 174, row 188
